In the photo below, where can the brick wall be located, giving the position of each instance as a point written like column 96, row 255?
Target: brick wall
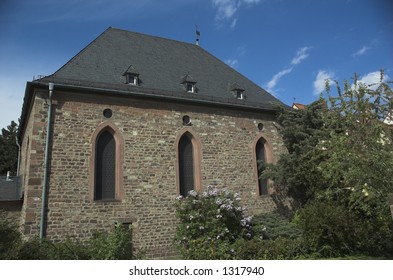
column 149, row 130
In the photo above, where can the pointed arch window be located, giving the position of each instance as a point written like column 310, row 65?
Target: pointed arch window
column 105, row 167
column 106, row 164
column 261, row 161
column 188, row 163
column 262, row 156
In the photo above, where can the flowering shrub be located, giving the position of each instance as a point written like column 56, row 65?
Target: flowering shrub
column 210, row 222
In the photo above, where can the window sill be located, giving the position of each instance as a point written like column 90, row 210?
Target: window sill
column 107, row 201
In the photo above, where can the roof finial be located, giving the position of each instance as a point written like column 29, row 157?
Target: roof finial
column 197, row 35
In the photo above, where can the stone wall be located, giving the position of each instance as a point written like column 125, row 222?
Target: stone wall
column 149, row 129
column 31, row 164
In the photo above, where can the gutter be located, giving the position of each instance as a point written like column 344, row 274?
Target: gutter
column 46, row 163
column 141, row 93
column 159, row 94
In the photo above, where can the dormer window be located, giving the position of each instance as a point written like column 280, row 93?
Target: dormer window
column 132, row 79
column 239, row 95
column 132, row 76
column 189, row 83
column 237, row 91
column 190, row 87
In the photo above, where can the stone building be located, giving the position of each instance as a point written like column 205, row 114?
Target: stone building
column 134, row 121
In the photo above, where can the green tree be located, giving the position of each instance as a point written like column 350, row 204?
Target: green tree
column 340, row 152
column 338, row 146
column 8, row 149
column 360, row 163
column 296, row 173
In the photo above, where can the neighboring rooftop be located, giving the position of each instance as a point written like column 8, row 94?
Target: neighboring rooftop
column 298, row 106
column 10, row 188
column 161, row 65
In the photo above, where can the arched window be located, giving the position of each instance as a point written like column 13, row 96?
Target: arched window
column 105, row 167
column 262, row 155
column 186, row 165
column 106, row 163
column 261, row 161
column 188, row 162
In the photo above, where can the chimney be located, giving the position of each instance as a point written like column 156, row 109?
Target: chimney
column 8, row 176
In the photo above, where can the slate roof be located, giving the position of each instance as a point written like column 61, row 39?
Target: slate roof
column 161, row 65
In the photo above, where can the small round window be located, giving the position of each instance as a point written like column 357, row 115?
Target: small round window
column 107, row 113
column 186, row 120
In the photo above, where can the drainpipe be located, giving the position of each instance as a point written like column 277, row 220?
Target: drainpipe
column 46, row 161
column 17, row 167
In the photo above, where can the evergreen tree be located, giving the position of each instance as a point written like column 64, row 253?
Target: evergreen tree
column 8, row 149
column 296, row 173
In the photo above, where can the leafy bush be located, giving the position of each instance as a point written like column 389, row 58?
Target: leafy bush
column 210, row 223
column 113, row 245
column 36, row 249
column 274, row 225
column 280, row 239
column 116, row 245
column 10, row 239
column 280, row 248
column 333, row 230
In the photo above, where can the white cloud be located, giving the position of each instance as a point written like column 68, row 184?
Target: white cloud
column 373, row 79
column 234, row 21
column 320, row 81
column 226, row 9
column 232, row 62
column 301, row 54
column 251, row 1
column 361, row 51
column 272, row 83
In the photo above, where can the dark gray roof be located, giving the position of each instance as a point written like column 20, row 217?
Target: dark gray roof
column 162, row 65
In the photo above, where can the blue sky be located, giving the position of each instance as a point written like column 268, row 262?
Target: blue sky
column 288, row 47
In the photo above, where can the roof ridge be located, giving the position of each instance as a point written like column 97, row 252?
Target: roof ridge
column 153, row 36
